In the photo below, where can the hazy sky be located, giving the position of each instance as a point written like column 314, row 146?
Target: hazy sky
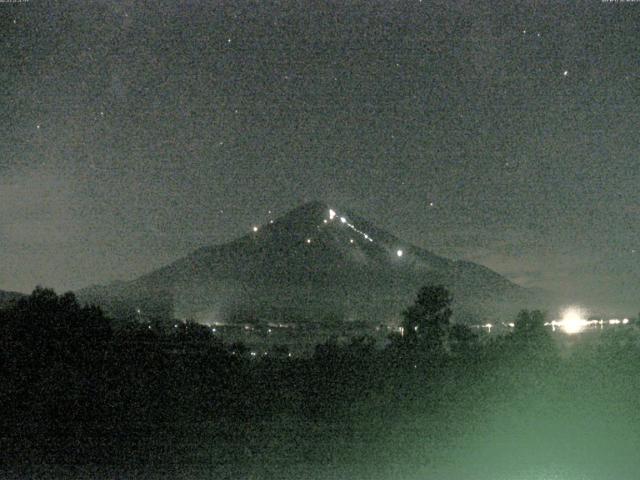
column 133, row 132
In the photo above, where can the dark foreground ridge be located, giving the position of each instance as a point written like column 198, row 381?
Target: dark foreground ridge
column 86, row 398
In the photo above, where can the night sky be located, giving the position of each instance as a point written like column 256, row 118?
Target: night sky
column 500, row 132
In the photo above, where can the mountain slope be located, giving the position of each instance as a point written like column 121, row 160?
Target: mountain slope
column 312, row 263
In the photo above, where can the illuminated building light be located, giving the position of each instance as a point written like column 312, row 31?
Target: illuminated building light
column 332, row 214
column 308, row 240
column 511, row 325
column 253, row 354
column 614, row 321
column 625, row 321
column 572, row 321
column 343, row 220
column 255, row 229
column 351, row 240
column 325, row 221
column 271, row 222
column 399, row 253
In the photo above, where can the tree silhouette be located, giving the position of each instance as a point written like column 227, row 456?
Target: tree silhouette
column 462, row 339
column 427, row 320
column 529, row 324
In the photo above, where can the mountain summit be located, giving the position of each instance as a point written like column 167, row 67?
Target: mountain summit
column 314, row 262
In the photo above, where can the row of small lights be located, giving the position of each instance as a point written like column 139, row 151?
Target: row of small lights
column 343, row 220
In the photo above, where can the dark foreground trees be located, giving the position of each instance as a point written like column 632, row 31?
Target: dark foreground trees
column 62, row 365
column 426, row 321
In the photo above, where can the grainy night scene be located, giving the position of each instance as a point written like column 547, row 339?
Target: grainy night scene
column 324, row 240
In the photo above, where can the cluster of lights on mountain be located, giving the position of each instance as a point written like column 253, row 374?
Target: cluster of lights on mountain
column 343, row 220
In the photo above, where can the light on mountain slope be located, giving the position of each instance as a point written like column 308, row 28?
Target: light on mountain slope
column 332, row 215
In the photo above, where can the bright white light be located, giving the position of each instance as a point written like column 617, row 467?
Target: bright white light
column 332, row 214
column 255, row 229
column 308, row 240
column 343, row 220
column 351, row 240
column 614, row 321
column 325, row 221
column 625, row 321
column 565, row 73
column 572, row 321
column 399, row 253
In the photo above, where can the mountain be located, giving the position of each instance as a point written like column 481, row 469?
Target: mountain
column 313, row 263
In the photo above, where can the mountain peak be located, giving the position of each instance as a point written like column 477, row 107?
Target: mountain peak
column 315, row 260
column 314, row 210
